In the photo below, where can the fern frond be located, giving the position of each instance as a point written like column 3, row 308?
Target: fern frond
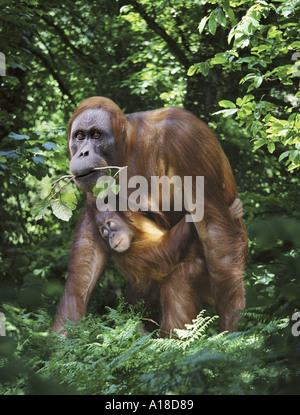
column 196, row 330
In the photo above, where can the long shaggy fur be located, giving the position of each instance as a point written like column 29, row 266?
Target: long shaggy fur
column 167, row 142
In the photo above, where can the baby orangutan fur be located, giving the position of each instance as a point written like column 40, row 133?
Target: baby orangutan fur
column 163, row 263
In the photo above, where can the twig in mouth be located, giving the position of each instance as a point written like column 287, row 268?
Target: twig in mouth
column 72, row 176
column 110, row 167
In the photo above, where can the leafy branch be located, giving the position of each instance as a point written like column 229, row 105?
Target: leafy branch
column 62, row 203
column 265, row 57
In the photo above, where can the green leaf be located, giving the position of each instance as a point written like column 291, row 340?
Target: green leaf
column 271, row 147
column 18, row 136
column 220, row 17
column 283, row 155
column 257, row 81
column 259, row 143
column 223, row 58
column 226, row 113
column 9, row 154
column 15, row 65
column 50, row 146
column 192, row 70
column 248, row 77
column 102, row 187
column 103, row 193
column 39, row 209
column 227, row 104
column 96, row 191
column 288, row 9
column 229, row 112
column 70, row 199
column 202, row 24
column 295, row 44
column 38, row 159
column 212, row 24
column 244, row 42
column 116, row 189
column 231, row 34
column 61, row 210
column 294, row 155
column 229, row 11
column 104, row 184
column 204, row 68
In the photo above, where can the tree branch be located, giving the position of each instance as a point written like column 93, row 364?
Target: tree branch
column 77, row 52
column 54, row 73
column 173, row 46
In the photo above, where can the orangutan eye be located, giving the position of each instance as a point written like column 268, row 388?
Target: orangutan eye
column 80, row 135
column 96, row 134
column 105, row 233
column 112, row 225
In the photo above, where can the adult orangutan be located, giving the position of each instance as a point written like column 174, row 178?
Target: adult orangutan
column 166, row 142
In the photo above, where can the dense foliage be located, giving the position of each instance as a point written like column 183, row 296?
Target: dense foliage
column 232, row 63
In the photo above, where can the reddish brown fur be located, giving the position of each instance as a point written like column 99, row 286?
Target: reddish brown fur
column 150, row 258
column 175, row 261
column 153, row 144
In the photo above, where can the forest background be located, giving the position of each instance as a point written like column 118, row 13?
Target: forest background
column 235, row 64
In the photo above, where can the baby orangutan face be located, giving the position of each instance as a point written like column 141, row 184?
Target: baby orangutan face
column 115, row 231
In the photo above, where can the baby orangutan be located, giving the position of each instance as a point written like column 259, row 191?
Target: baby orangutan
column 163, row 265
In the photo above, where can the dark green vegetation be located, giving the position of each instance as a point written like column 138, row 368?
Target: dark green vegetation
column 234, row 58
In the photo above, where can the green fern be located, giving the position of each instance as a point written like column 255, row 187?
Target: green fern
column 111, row 355
column 194, row 331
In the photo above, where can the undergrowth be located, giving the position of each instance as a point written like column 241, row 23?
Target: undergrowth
column 112, row 355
